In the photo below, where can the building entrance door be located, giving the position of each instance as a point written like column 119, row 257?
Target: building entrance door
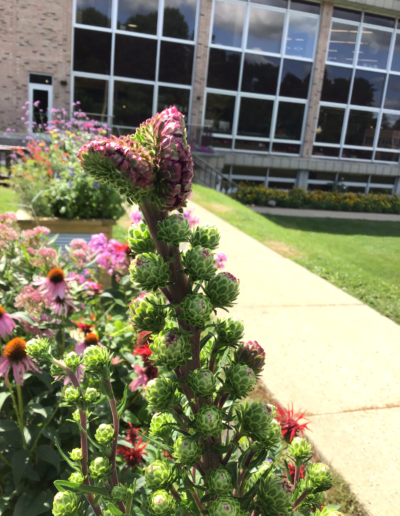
column 40, row 100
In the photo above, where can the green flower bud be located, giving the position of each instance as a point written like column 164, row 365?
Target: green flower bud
column 196, row 309
column 100, row 468
column 222, row 290
column 274, row 435
column 173, row 230
column 104, row 434
column 202, row 382
column 149, row 271
column 91, row 395
column 160, row 394
column 76, row 416
column 71, row 394
column 97, row 360
column 76, row 454
column 38, row 348
column 65, row 503
column 107, row 513
column 260, row 472
column 199, row 263
column 76, row 477
column 171, row 349
column 187, row 450
column 220, row 481
column 147, row 313
column 206, row 236
column 300, row 450
column 158, row 475
column 182, row 510
column 320, row 477
column 240, row 380
column 230, row 331
column 120, row 493
column 72, row 360
column 157, row 422
column 224, row 506
column 139, row 239
column 209, row 420
column 255, row 419
column 273, row 498
column 161, row 503
column 56, row 371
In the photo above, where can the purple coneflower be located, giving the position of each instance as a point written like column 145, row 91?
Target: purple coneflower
column 91, row 339
column 54, row 285
column 6, row 323
column 14, row 354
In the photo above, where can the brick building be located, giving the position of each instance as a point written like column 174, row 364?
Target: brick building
column 290, row 92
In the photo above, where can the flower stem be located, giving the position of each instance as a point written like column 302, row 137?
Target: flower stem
column 129, row 505
column 62, row 337
column 44, row 427
column 17, row 412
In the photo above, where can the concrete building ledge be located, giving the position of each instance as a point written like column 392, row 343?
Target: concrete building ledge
column 326, row 214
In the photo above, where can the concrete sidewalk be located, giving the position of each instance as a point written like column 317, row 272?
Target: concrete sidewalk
column 325, row 214
column 327, row 353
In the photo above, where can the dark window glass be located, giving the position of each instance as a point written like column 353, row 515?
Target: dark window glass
column 389, row 133
column 274, row 3
column 342, row 43
column 295, row 79
column 176, row 63
column 121, row 131
column 356, row 154
column 323, row 188
column 330, row 125
column 135, row 57
column 94, row 12
column 255, row 117
column 303, row 5
column 289, row 121
column 374, row 48
column 265, row 30
column 392, row 99
column 252, row 145
column 249, row 171
column 282, row 173
column 378, row 190
column 361, row 128
column 92, row 51
column 354, row 178
column 223, row 69
column 138, row 16
column 93, row 97
column 40, row 79
column 368, row 88
column 301, row 35
column 336, row 84
column 40, row 111
column 133, row 103
column 331, row 152
column 385, row 180
column 346, row 14
column 375, row 19
column 224, row 143
column 286, row 149
column 322, row 176
column 173, row 97
column 219, row 113
column 179, row 19
column 357, row 189
column 396, row 55
column 228, row 24
column 260, row 74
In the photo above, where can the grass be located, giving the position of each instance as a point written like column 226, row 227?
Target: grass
column 8, row 198
column 359, row 256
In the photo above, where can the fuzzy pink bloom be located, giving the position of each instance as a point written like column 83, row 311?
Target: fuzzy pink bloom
column 8, row 218
column 135, row 217
column 31, row 300
column 220, row 259
column 44, row 257
column 7, row 233
column 6, row 323
column 79, row 243
column 93, row 288
column 36, row 231
column 54, row 285
column 14, row 355
column 192, row 219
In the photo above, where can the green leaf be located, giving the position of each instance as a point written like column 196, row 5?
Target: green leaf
column 111, row 507
column 8, row 426
column 82, row 488
column 25, row 317
column 19, row 462
column 122, row 405
column 3, row 397
column 36, row 408
column 157, row 442
column 129, row 417
column 32, row 503
column 31, row 474
column 70, row 463
column 221, row 448
column 48, row 454
column 205, row 339
column 333, row 507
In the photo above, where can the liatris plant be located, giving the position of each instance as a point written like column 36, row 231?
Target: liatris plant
column 209, row 452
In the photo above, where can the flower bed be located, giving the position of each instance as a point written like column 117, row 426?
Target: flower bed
column 319, row 200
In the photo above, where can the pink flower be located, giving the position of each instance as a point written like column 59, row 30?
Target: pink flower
column 60, row 305
column 80, row 373
column 6, row 323
column 192, row 219
column 46, row 256
column 54, row 285
column 14, row 354
column 8, row 218
column 79, row 243
column 91, row 339
column 220, row 259
column 93, row 288
column 135, row 217
column 31, row 300
column 7, row 233
column 142, row 379
column 36, row 231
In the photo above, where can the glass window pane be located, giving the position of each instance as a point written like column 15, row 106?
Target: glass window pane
column 94, row 12
column 219, row 113
column 176, row 63
column 342, row 43
column 255, row 117
column 40, row 111
column 330, row 125
column 331, row 152
column 133, row 103
column 274, row 3
column 284, row 148
column 228, row 24
column 356, row 154
column 368, row 88
column 289, row 122
column 392, row 99
column 385, row 156
column 396, row 55
column 252, row 145
column 336, row 84
column 374, row 48
column 295, row 79
column 92, row 51
column 135, row 57
column 301, row 35
column 265, row 30
column 389, row 134
column 223, row 143
column 138, row 16
column 376, row 19
column 93, row 96
column 384, row 180
column 305, row 6
column 260, row 74
column 249, row 171
column 223, row 69
column 179, row 19
column 361, row 128
column 173, row 97
column 346, row 14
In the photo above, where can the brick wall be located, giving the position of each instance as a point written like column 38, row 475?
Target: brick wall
column 35, row 36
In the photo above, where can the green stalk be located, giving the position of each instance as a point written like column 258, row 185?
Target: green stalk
column 44, row 426
column 129, row 505
column 62, row 337
column 17, row 412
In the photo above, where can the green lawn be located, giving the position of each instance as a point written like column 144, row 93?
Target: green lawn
column 361, row 257
column 8, row 198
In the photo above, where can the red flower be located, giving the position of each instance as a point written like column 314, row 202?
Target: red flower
column 144, row 351
column 142, row 338
column 122, row 248
column 132, row 434
column 292, row 468
column 289, row 421
column 86, row 328
column 133, row 456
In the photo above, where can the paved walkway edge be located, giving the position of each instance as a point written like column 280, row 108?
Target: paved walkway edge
column 325, row 214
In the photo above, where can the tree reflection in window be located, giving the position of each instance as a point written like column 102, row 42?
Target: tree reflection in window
column 138, row 16
column 179, row 19
column 94, row 12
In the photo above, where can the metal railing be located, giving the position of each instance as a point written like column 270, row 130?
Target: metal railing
column 206, row 175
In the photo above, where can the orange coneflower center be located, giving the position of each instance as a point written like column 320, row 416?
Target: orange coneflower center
column 2, row 312
column 91, row 339
column 56, row 275
column 15, row 350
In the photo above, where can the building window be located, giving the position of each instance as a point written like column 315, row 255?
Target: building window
column 94, row 12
